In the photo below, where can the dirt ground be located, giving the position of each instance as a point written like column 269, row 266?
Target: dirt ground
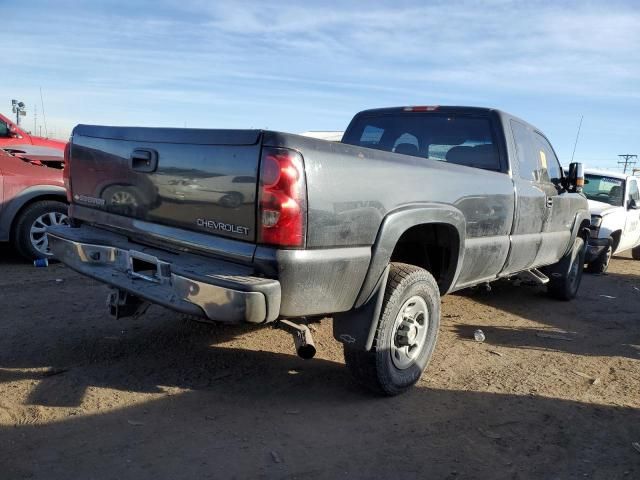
column 553, row 392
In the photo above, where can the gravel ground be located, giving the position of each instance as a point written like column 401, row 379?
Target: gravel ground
column 553, row 392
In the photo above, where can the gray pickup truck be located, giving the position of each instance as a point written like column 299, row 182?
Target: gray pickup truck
column 260, row 226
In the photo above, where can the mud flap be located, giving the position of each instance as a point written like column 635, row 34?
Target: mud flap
column 356, row 328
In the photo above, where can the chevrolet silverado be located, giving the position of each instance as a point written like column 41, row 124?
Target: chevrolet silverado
column 261, row 226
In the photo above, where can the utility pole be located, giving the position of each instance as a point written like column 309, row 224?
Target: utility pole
column 629, row 159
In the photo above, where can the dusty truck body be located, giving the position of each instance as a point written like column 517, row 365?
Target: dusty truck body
column 259, row 226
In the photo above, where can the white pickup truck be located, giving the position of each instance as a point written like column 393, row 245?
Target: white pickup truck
column 614, row 204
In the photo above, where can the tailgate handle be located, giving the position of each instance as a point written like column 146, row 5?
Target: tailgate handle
column 144, row 160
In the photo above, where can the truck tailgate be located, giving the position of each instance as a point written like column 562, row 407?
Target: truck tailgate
column 201, row 180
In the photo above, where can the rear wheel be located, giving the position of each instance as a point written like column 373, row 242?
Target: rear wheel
column 601, row 264
column 565, row 276
column 30, row 237
column 635, row 253
column 406, row 334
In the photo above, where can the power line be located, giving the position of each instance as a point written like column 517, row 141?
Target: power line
column 628, row 160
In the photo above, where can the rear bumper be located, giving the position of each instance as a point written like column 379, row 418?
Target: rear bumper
column 595, row 248
column 218, row 290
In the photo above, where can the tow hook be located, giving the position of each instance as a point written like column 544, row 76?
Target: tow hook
column 302, row 338
column 122, row 304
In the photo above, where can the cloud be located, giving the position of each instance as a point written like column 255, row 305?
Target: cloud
column 309, row 66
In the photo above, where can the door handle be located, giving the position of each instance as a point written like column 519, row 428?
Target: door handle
column 144, row 160
column 549, row 202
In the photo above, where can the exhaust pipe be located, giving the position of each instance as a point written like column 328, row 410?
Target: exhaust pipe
column 302, row 339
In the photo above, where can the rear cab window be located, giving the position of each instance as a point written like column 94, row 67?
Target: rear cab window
column 447, row 137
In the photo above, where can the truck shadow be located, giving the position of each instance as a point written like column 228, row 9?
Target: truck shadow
column 601, row 321
column 143, row 356
column 261, row 421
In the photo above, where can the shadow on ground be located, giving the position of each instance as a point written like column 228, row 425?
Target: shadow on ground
column 8, row 256
column 262, row 421
column 577, row 325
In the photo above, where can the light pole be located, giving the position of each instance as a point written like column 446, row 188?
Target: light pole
column 19, row 108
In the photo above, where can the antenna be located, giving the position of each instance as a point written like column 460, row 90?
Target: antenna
column 577, row 135
column 44, row 118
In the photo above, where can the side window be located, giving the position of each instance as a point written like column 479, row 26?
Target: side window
column 526, row 151
column 550, row 170
column 633, row 191
column 4, row 129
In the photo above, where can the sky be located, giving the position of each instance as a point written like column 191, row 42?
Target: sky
column 298, row 66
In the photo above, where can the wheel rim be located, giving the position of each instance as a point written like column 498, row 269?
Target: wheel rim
column 38, row 231
column 409, row 332
column 122, row 197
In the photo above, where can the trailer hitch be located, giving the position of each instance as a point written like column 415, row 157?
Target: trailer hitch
column 122, row 304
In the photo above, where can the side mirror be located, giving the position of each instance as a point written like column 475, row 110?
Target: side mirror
column 633, row 205
column 575, row 177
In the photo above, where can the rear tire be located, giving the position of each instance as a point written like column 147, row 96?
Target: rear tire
column 601, row 264
column 565, row 276
column 406, row 334
column 29, row 234
column 635, row 253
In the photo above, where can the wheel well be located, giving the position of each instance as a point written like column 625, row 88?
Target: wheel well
column 434, row 247
column 616, row 239
column 28, row 203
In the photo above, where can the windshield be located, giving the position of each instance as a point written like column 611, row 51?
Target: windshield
column 604, row 189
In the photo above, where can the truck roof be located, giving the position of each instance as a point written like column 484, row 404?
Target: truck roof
column 427, row 108
column 448, row 109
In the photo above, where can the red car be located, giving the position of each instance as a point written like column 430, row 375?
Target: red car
column 32, row 197
column 11, row 134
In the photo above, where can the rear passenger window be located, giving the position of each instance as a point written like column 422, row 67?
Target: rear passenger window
column 460, row 139
column 528, row 155
column 550, row 170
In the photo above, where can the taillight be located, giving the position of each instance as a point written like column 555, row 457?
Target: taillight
column 282, row 196
column 66, row 176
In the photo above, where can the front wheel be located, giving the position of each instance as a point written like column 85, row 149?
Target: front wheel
column 635, row 253
column 406, row 334
column 565, row 276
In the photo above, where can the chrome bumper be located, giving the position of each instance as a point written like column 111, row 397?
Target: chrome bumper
column 218, row 290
